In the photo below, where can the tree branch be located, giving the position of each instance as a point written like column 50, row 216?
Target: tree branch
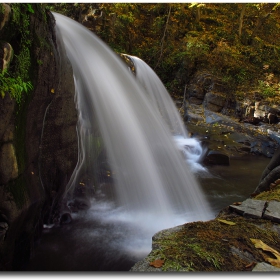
column 163, row 37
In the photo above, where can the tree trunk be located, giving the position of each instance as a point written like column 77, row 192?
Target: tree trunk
column 163, row 37
column 241, row 20
column 262, row 19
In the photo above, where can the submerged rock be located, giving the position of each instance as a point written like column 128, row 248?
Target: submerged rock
column 216, row 158
column 65, row 218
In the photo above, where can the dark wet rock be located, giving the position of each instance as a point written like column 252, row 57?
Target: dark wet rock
column 274, row 135
column 270, row 178
column 266, row 148
column 3, row 229
column 192, row 117
column 214, row 101
column 242, row 254
column 265, row 267
column 272, row 118
column 205, row 88
column 216, row 158
column 272, row 211
column 250, row 208
column 78, row 204
column 7, row 106
column 196, row 101
column 249, row 112
column 252, row 120
column 8, row 163
column 265, row 113
column 245, row 149
column 274, row 162
column 196, row 91
column 65, row 218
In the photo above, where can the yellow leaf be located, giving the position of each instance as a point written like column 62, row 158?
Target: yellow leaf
column 261, row 245
column 227, row 222
column 157, row 263
column 52, row 90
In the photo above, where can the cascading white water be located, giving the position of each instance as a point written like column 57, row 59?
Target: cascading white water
column 153, row 184
column 159, row 96
column 161, row 100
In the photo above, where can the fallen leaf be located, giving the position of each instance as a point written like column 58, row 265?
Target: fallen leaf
column 227, row 222
column 52, row 90
column 261, row 245
column 157, row 263
column 277, row 182
column 236, row 203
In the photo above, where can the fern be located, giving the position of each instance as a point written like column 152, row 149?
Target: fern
column 14, row 86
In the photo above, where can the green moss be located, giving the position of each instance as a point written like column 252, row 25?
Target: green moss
column 273, row 194
column 206, row 246
column 2, row 10
column 18, row 34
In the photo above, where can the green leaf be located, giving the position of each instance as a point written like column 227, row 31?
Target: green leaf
column 227, row 222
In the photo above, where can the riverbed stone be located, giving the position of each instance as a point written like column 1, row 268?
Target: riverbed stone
column 272, row 211
column 216, row 158
column 250, row 208
column 265, row 267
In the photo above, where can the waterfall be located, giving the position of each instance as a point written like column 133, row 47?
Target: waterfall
column 159, row 96
column 161, row 100
column 152, row 183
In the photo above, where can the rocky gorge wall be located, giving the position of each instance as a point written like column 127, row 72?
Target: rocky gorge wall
column 38, row 138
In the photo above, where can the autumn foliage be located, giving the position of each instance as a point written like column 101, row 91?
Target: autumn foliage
column 230, row 40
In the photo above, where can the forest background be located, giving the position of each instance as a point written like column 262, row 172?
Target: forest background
column 237, row 42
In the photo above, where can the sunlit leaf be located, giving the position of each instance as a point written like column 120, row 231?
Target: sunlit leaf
column 261, row 245
column 227, row 222
column 157, row 263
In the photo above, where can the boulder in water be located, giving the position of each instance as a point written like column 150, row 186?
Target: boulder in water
column 65, row 218
column 216, row 158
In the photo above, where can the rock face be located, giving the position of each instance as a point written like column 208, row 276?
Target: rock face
column 38, row 144
column 208, row 90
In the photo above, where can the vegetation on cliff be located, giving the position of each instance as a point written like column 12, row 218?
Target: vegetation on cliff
column 16, row 79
